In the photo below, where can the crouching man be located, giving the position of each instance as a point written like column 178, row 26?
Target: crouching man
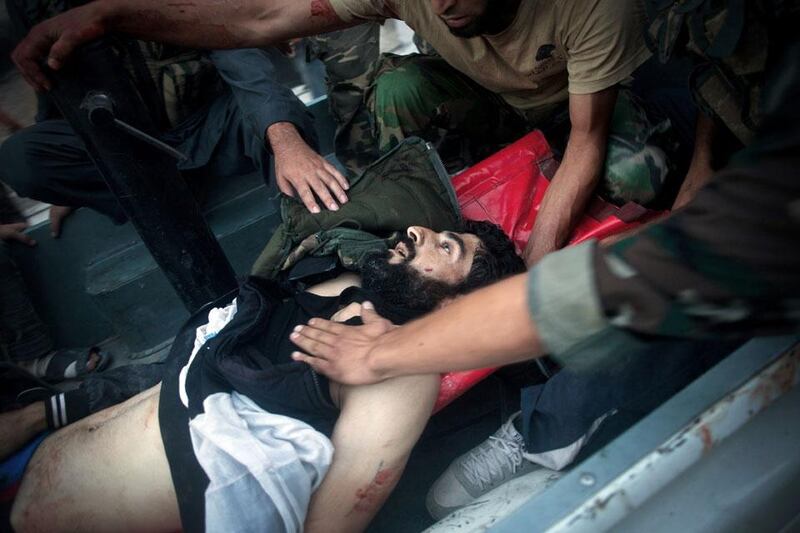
column 137, row 466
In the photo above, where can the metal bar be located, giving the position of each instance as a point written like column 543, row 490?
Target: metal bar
column 654, row 471
column 142, row 136
column 584, row 485
column 144, row 179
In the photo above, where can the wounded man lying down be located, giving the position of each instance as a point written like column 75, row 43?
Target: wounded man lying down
column 136, row 466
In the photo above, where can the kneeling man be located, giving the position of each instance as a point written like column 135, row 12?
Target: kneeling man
column 135, row 466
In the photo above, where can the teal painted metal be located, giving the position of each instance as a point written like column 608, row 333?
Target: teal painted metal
column 748, row 482
column 585, row 500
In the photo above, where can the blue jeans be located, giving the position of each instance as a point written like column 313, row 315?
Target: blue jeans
column 613, row 374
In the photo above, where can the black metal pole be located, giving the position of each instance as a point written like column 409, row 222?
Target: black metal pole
column 144, row 178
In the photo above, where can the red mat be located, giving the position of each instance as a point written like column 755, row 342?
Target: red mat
column 507, row 189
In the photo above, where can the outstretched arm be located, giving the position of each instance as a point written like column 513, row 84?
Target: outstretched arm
column 489, row 327
column 726, row 264
column 196, row 24
column 577, row 176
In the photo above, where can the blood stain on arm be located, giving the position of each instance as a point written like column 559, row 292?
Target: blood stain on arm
column 324, row 10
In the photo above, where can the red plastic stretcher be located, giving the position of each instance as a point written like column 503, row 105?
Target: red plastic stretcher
column 507, row 189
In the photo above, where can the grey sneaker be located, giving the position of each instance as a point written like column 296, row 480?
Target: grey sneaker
column 491, row 463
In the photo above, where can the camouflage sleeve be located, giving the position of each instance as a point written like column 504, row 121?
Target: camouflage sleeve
column 727, row 265
column 262, row 98
column 563, row 299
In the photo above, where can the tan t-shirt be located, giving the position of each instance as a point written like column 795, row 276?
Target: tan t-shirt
column 551, row 48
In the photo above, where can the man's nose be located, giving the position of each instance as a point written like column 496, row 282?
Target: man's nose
column 415, row 233
column 440, row 7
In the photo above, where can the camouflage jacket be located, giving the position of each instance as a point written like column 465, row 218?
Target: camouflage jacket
column 727, row 265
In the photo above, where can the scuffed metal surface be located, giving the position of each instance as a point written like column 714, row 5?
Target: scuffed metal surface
column 654, row 471
column 484, row 513
column 779, row 381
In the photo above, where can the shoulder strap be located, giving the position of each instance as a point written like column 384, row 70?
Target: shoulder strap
column 728, row 21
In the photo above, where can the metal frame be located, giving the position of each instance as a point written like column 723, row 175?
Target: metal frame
column 625, row 474
column 97, row 98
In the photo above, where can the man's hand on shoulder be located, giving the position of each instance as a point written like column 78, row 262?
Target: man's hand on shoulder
column 300, row 171
column 16, row 232
column 342, row 352
column 55, row 39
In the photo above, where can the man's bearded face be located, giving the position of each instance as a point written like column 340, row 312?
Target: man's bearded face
column 470, row 18
column 401, row 285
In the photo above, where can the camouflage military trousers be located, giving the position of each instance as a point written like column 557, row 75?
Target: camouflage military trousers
column 424, row 96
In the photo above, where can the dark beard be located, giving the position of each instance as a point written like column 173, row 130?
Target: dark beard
column 497, row 17
column 400, row 286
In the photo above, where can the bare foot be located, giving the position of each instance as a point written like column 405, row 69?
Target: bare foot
column 93, row 361
column 41, row 367
column 20, row 426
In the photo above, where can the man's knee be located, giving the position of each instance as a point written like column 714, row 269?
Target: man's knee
column 404, row 102
column 635, row 167
column 402, row 85
column 633, row 172
column 22, row 164
column 7, row 265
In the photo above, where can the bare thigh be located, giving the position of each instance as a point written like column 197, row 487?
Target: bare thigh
column 107, row 472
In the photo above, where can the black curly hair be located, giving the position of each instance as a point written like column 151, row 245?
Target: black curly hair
column 495, row 259
column 402, row 286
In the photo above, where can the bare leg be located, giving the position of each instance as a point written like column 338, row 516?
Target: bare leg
column 20, row 426
column 373, row 437
column 107, row 472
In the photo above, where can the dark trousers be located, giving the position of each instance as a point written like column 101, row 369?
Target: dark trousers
column 614, row 374
column 23, row 336
column 99, row 391
column 49, row 162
